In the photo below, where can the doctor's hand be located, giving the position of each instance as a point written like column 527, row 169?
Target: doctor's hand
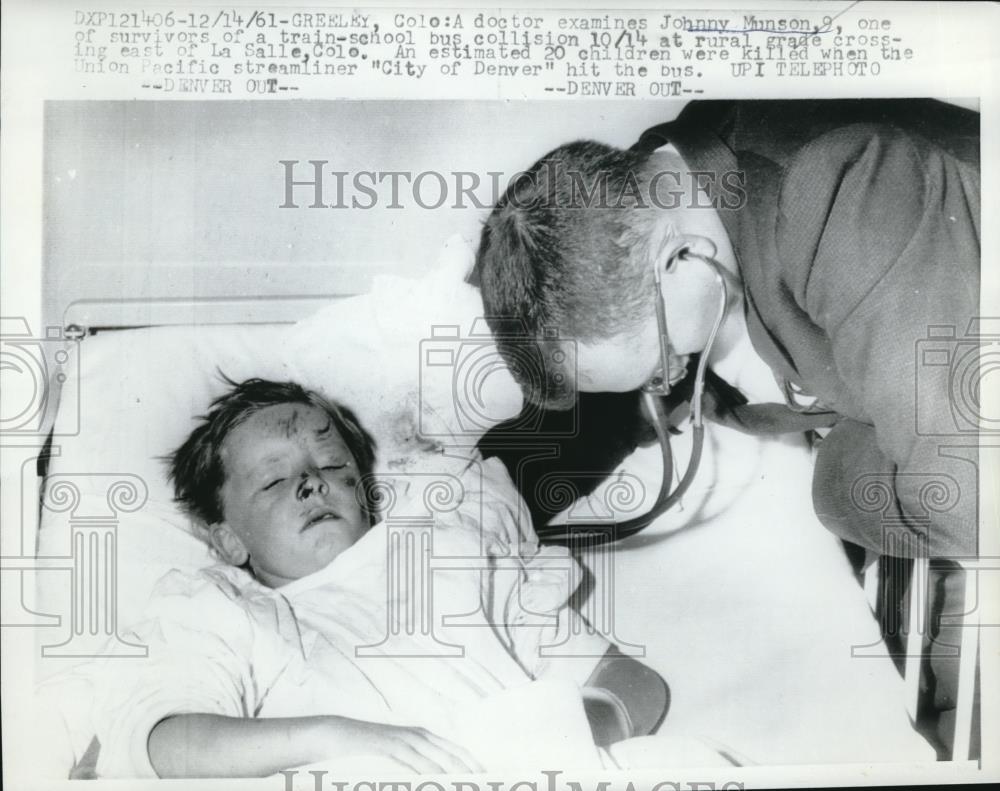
column 409, row 749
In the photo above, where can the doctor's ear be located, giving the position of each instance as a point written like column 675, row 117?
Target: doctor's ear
column 229, row 545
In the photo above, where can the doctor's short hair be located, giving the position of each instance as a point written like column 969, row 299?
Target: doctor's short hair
column 198, row 472
column 562, row 257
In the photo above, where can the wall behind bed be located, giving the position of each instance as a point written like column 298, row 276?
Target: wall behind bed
column 182, row 199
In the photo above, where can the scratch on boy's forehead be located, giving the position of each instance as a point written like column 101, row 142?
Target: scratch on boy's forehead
column 290, row 425
column 326, row 429
column 296, row 421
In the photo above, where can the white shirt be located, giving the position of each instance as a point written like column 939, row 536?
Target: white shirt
column 222, row 643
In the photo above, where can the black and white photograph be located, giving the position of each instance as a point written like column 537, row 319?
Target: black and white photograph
column 635, row 428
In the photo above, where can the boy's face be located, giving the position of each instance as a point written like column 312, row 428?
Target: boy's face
column 289, row 502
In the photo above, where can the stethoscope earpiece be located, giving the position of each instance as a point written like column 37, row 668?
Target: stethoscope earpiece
column 679, row 255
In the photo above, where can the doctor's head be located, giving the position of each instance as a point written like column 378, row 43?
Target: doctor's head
column 568, row 253
column 273, row 472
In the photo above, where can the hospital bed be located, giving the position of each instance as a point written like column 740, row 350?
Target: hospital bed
column 751, row 612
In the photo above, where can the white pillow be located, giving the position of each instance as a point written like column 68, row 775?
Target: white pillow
column 415, row 360
column 138, row 393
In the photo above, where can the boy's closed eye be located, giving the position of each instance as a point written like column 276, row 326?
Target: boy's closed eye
column 326, row 468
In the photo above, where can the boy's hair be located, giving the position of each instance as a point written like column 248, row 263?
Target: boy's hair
column 196, row 467
column 558, row 256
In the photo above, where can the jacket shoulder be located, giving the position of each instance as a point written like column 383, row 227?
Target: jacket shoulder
column 849, row 203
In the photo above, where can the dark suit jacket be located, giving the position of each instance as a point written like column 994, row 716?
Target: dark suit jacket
column 859, row 244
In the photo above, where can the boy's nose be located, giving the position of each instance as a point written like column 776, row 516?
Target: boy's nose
column 312, row 483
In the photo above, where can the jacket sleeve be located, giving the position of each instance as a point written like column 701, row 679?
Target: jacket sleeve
column 878, row 234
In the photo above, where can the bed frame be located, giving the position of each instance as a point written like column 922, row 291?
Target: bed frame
column 906, row 591
column 93, row 578
column 87, row 316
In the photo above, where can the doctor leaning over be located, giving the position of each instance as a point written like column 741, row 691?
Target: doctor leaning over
column 849, row 234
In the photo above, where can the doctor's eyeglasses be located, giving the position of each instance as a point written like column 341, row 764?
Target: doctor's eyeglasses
column 663, row 380
column 660, row 383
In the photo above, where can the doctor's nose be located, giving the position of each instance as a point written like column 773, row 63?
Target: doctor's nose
column 312, row 484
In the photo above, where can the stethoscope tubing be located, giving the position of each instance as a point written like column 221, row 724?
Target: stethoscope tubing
column 604, row 532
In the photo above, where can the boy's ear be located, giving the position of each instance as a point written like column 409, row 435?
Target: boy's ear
column 229, row 545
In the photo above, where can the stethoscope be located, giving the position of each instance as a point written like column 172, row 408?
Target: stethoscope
column 653, row 392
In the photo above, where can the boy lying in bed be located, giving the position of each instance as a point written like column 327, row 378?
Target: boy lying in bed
column 280, row 657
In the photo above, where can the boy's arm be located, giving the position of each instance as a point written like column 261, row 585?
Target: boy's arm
column 624, row 698
column 203, row 649
column 211, row 745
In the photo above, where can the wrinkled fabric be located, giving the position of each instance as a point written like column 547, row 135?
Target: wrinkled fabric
column 379, row 634
column 858, row 241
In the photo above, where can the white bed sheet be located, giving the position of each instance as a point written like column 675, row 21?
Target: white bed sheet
column 752, row 616
column 746, row 604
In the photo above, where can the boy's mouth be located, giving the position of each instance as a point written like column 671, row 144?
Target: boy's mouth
column 320, row 516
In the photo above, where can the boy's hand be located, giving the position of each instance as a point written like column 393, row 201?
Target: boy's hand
column 414, row 749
